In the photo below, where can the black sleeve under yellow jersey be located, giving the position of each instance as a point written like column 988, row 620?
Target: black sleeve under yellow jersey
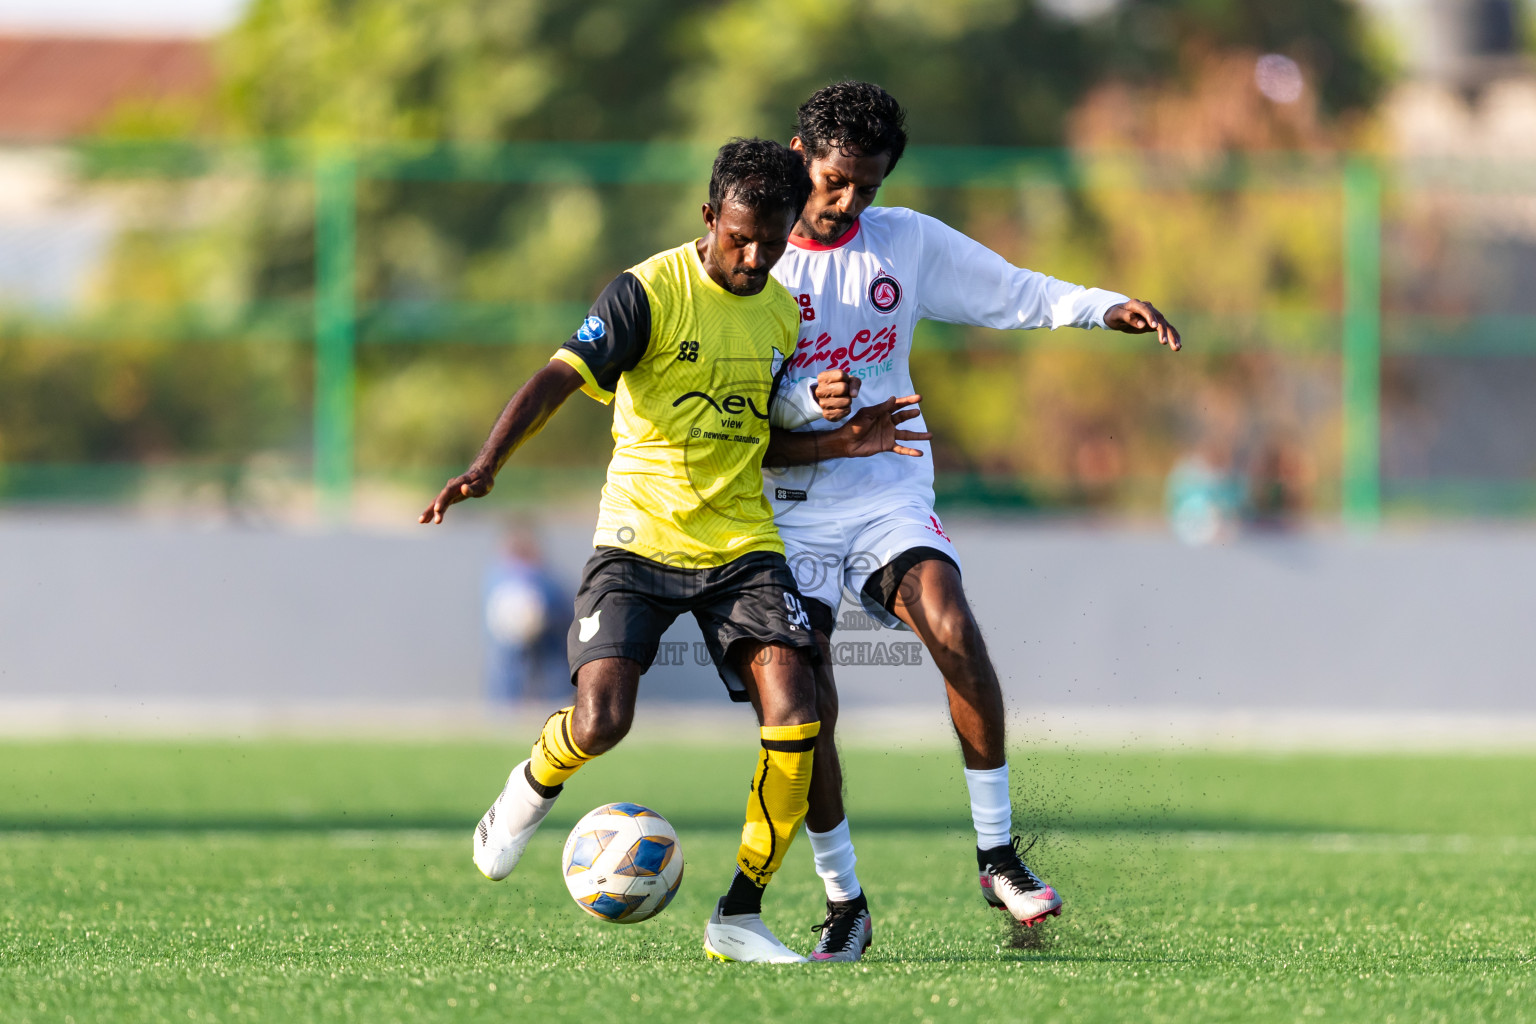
column 614, row 336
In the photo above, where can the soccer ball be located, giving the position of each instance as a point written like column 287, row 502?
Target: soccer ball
column 622, row 863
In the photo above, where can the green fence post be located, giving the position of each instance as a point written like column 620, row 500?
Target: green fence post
column 1361, row 483
column 335, row 328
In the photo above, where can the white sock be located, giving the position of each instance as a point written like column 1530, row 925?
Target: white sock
column 833, row 850
column 991, row 807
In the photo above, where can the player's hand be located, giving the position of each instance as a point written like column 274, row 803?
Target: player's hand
column 1138, row 317
column 475, row 483
column 835, row 392
column 873, row 429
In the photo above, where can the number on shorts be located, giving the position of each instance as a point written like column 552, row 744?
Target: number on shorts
column 797, row 617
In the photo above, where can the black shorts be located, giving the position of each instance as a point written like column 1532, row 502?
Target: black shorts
column 626, row 603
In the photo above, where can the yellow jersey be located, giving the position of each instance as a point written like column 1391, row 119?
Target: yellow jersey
column 689, row 368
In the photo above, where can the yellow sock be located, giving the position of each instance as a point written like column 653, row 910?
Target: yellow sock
column 556, row 756
column 779, row 798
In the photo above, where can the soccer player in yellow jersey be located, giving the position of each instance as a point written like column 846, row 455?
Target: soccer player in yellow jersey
column 686, row 346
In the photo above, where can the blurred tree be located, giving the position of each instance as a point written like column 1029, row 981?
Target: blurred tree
column 971, row 72
column 457, row 70
column 976, row 72
column 147, row 400
column 462, row 71
column 996, row 72
column 1149, row 42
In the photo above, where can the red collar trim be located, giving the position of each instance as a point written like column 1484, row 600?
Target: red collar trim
column 814, row 246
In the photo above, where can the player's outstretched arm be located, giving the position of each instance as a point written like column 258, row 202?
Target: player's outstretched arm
column 524, row 416
column 1137, row 317
column 872, row 430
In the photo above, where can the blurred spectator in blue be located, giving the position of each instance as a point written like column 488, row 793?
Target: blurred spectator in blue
column 527, row 614
column 1201, row 497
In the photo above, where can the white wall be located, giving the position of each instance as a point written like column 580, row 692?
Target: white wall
column 111, row 609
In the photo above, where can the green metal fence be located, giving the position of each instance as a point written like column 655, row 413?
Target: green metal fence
column 1361, row 362
column 336, row 175
column 340, row 322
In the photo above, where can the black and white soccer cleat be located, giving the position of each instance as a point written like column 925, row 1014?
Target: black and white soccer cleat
column 846, row 933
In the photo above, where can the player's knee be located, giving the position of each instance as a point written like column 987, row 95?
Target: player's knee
column 601, row 728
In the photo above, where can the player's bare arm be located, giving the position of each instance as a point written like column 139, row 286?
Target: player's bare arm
column 872, row 430
column 1139, row 317
column 524, row 416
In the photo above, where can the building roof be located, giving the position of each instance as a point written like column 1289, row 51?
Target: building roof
column 56, row 87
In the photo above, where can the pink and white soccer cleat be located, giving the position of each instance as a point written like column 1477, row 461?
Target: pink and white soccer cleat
column 1008, row 885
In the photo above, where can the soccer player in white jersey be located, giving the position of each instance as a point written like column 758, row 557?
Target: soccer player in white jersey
column 863, row 277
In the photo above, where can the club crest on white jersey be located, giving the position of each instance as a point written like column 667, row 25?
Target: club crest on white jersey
column 884, row 293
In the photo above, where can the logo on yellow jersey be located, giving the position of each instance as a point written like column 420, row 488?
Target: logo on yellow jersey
column 731, row 405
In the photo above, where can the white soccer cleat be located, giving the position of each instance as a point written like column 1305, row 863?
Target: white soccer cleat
column 846, row 933
column 503, row 834
column 743, row 938
column 1008, row 885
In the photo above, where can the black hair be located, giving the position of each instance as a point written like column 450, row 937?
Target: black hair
column 853, row 115
column 761, row 175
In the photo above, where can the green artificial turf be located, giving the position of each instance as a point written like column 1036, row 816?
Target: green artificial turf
column 291, row 881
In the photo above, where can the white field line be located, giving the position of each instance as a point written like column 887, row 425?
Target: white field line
column 1168, row 728
column 1228, row 841
column 1222, row 841
column 1357, row 842
column 897, row 727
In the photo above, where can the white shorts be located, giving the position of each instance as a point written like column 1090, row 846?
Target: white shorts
column 833, row 556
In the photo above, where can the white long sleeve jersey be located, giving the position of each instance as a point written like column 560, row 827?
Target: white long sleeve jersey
column 860, row 300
